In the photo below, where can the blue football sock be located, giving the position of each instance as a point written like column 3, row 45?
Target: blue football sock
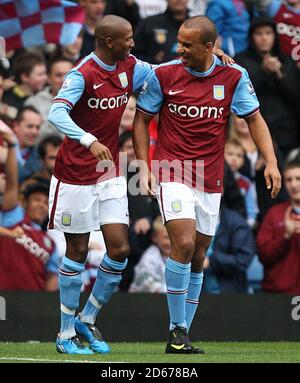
column 70, row 283
column 193, row 295
column 109, row 276
column 177, row 280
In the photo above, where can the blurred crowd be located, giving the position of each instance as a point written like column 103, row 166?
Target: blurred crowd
column 257, row 244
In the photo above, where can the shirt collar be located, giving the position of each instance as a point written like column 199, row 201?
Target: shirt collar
column 102, row 64
column 203, row 74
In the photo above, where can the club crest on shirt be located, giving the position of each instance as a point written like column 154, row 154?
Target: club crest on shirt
column 219, row 92
column 160, row 35
column 176, row 206
column 123, row 79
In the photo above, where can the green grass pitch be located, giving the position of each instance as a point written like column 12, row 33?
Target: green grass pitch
column 228, row 352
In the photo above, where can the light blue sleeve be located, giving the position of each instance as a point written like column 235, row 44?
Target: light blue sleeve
column 273, row 8
column 72, row 88
column 244, row 100
column 54, row 262
column 67, row 97
column 140, row 73
column 12, row 217
column 151, row 97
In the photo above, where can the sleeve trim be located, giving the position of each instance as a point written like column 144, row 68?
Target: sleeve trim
column 58, row 99
column 249, row 114
column 140, row 109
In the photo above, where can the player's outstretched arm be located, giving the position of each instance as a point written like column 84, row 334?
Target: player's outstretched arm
column 141, row 143
column 262, row 139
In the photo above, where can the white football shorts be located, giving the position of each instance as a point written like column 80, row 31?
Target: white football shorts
column 84, row 208
column 179, row 201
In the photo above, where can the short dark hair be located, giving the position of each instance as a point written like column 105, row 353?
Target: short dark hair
column 58, row 59
column 25, row 63
column 21, row 111
column 206, row 25
column 235, row 142
column 35, row 187
column 295, row 163
column 49, row 140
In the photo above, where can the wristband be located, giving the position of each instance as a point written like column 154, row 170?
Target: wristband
column 12, row 145
column 87, row 139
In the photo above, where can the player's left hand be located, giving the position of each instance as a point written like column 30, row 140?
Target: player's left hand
column 273, row 178
column 226, row 60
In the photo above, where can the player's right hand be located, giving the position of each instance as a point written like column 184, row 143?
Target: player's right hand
column 101, row 152
column 273, row 179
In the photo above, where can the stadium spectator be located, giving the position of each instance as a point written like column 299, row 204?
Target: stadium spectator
column 70, row 52
column 229, row 255
column 28, row 260
column 232, row 21
column 47, row 150
column 151, row 7
column 5, row 109
column 286, row 14
column 142, row 209
column 254, row 166
column 232, row 197
column 155, row 7
column 197, row 7
column 278, row 240
column 30, row 75
column 8, row 146
column 235, row 158
column 128, row 9
column 94, row 10
column 156, row 36
column 239, row 131
column 42, row 101
column 149, row 273
column 276, row 81
column 188, row 131
column 27, row 129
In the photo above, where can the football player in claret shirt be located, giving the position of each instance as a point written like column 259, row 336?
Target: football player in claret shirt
column 83, row 196
column 194, row 96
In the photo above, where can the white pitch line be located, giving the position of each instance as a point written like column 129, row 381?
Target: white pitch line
column 54, row 360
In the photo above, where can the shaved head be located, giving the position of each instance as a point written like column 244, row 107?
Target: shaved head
column 207, row 29
column 111, row 26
